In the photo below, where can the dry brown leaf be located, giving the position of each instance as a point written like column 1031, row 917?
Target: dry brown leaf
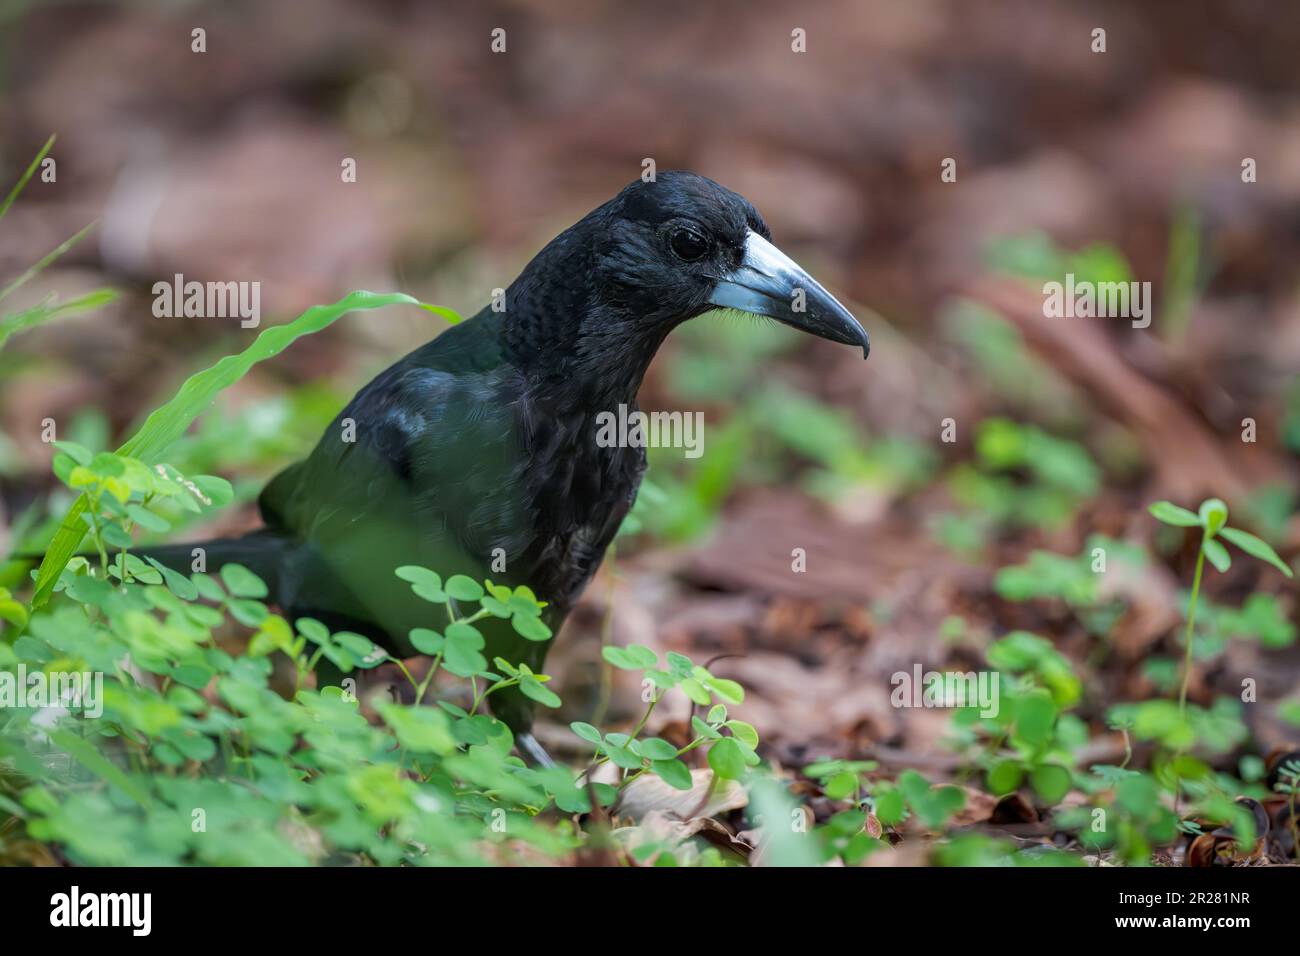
column 648, row 794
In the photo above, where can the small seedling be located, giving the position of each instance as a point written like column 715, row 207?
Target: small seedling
column 1212, row 519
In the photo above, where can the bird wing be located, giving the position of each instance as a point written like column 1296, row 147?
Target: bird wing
column 422, row 467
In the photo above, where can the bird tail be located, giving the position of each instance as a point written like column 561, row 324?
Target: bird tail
column 262, row 552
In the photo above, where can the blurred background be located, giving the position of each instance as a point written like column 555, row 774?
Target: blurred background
column 1127, row 164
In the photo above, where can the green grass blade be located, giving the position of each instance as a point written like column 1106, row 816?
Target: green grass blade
column 49, row 257
column 451, row 316
column 169, row 422
column 1182, row 272
column 47, row 310
column 18, row 186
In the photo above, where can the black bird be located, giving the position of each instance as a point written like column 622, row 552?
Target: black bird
column 485, row 438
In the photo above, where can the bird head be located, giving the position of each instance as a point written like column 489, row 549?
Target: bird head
column 682, row 245
column 657, row 254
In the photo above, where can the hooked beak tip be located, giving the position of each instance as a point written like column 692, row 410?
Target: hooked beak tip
column 768, row 282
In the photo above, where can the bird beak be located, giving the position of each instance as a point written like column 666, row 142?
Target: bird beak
column 768, row 282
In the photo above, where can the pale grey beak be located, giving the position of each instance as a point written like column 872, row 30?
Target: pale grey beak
column 768, row 282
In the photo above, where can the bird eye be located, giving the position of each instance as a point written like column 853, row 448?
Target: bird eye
column 688, row 244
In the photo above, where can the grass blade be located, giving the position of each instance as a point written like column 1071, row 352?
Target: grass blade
column 18, row 186
column 49, row 257
column 49, row 309
column 169, row 421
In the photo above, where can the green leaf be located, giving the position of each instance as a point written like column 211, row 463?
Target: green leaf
column 841, row 785
column 661, row 679
column 1216, row 554
column 728, row 690
column 1214, row 515
column 426, row 641
column 313, row 630
column 1139, row 795
column 242, row 582
column 747, row 753
column 535, row 691
column 12, row 611
column 464, row 588
column 524, row 603
column 672, row 772
column 1050, row 781
column 933, row 805
column 422, row 729
column 78, row 453
column 115, row 537
column 680, row 665
column 207, row 587
column 248, row 612
column 696, row 692
column 744, row 732
column 274, row 634
column 642, row 656
column 147, row 519
column 618, row 657
column 495, row 607
column 106, row 464
column 530, row 628
column 1035, row 718
column 425, row 583
column 193, row 675
column 629, row 658
column 634, row 657
column 363, row 650
column 727, row 759
column 704, row 730
column 217, row 490
column 890, row 806
column 170, row 421
column 1256, row 548
column 418, row 575
column 1170, row 513
column 1004, row 777
column 461, row 654
column 177, row 583
column 620, row 754
column 586, row 731
column 558, row 782
column 655, row 748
